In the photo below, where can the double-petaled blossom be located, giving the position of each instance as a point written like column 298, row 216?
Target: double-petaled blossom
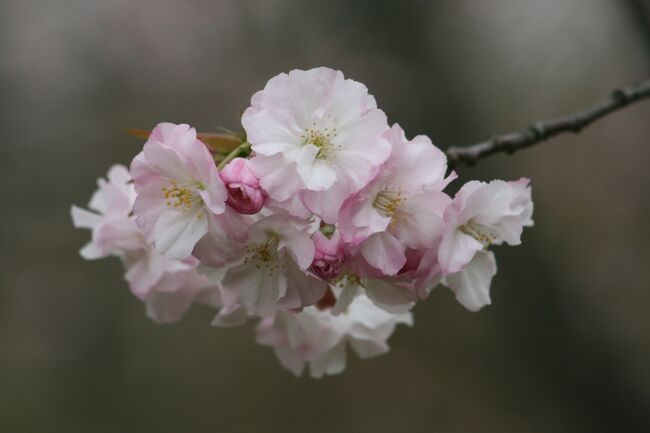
column 481, row 215
column 402, row 207
column 111, row 205
column 177, row 186
column 397, row 293
column 328, row 234
column 484, row 214
column 268, row 268
column 167, row 287
column 315, row 134
column 317, row 338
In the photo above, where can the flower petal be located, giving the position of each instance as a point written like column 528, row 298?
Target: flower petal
column 177, row 232
column 472, row 285
column 384, row 252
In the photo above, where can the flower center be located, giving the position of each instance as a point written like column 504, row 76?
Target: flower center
column 265, row 254
column 387, row 202
column 321, row 139
column 182, row 197
column 479, row 232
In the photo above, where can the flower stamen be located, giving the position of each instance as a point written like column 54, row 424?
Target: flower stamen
column 265, row 254
column 182, row 197
column 387, row 202
column 321, row 139
column 479, row 232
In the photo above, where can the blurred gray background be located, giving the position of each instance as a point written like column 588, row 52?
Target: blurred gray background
column 565, row 346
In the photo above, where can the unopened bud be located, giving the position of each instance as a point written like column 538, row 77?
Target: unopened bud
column 245, row 194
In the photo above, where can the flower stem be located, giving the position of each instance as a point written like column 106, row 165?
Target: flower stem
column 239, row 149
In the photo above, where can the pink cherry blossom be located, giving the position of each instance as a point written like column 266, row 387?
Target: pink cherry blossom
column 177, row 185
column 244, row 192
column 267, row 268
column 319, row 339
column 167, row 287
column 402, row 207
column 483, row 214
column 318, row 134
column 111, row 205
column 330, row 233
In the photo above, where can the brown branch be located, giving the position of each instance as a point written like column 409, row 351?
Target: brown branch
column 543, row 130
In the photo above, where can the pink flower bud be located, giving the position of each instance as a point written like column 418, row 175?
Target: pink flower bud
column 329, row 255
column 244, row 192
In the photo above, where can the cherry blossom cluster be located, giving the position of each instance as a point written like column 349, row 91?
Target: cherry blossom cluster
column 325, row 224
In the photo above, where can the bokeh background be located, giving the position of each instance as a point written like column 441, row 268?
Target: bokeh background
column 565, row 347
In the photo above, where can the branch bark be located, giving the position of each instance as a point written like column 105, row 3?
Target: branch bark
column 545, row 129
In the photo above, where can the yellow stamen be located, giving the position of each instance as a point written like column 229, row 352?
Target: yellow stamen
column 265, row 255
column 321, row 139
column 181, row 197
column 479, row 232
column 387, row 202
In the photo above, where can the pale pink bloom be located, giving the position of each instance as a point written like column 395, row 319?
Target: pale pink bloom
column 114, row 232
column 471, row 286
column 317, row 134
column 395, row 294
column 178, row 186
column 483, row 214
column 244, row 192
column 167, row 287
column 319, row 339
column 329, row 254
column 145, row 266
column 111, row 205
column 268, row 268
column 402, row 207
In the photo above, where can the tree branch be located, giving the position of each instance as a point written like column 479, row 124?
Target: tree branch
column 543, row 130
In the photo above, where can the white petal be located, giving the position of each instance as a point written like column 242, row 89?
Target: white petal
column 456, row 251
column 271, row 131
column 326, row 204
column 279, row 179
column 168, row 307
column 230, row 316
column 389, row 296
column 472, row 285
column 166, row 161
column 418, row 221
column 302, row 289
column 345, row 296
column 298, row 245
column 368, row 348
column 81, row 218
column 91, row 251
column 258, row 290
column 384, row 252
column 177, row 232
column 316, row 175
column 331, row 362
